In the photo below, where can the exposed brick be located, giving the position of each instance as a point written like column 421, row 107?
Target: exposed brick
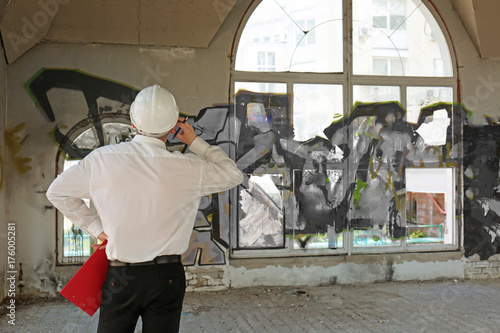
column 473, row 271
column 478, row 276
column 491, row 272
column 192, row 282
column 481, row 264
column 495, row 264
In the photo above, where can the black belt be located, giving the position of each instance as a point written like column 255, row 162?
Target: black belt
column 169, row 259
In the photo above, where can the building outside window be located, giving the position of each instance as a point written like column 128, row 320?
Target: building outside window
column 266, row 61
column 327, row 144
column 388, row 66
column 389, row 14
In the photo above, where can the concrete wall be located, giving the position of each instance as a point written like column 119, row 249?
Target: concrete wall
column 479, row 78
column 198, row 78
column 479, row 91
column 346, row 269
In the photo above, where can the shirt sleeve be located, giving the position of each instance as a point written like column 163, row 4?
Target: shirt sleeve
column 219, row 173
column 66, row 193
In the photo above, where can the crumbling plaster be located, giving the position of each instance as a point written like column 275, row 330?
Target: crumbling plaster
column 345, row 269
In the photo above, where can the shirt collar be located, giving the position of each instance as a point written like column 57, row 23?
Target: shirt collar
column 148, row 140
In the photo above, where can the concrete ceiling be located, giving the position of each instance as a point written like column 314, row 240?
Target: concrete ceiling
column 480, row 18
column 186, row 23
column 3, row 5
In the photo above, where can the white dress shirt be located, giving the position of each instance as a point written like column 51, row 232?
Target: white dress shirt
column 146, row 197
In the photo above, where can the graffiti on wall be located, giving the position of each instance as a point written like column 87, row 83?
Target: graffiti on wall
column 352, row 178
column 101, row 102
column 104, row 106
column 309, row 192
column 482, row 190
column 14, row 138
column 211, row 230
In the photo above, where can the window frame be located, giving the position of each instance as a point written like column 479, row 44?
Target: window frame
column 348, row 80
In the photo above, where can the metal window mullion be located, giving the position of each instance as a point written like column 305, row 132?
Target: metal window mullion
column 403, row 96
column 289, row 242
column 286, row 77
column 404, row 99
column 348, row 98
column 403, row 80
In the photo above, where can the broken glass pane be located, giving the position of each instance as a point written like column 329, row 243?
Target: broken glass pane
column 419, row 97
column 261, row 204
column 367, row 94
column 315, row 107
column 425, row 217
column 429, row 208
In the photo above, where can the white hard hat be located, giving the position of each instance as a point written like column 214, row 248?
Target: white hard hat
column 154, row 111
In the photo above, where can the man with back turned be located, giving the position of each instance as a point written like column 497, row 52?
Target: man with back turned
column 146, row 199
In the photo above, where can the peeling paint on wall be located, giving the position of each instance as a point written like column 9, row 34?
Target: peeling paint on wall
column 433, row 132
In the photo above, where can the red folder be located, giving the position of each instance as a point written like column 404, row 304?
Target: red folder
column 84, row 288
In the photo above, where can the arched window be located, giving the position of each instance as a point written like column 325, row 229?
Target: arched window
column 75, row 245
column 101, row 110
column 332, row 97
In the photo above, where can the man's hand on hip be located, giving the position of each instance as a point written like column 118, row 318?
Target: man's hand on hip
column 102, row 237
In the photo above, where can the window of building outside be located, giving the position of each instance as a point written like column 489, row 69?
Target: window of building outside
column 76, row 243
column 266, row 62
column 307, row 158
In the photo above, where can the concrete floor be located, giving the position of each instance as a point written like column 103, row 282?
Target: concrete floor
column 438, row 306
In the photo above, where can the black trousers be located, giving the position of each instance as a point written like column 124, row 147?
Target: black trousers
column 154, row 292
